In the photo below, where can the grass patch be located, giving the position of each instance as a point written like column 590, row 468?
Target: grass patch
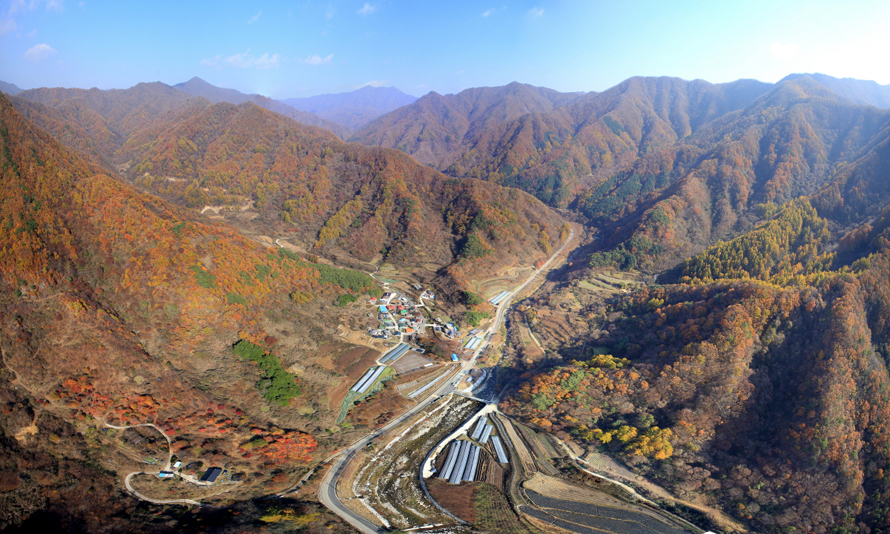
column 494, row 513
column 473, row 318
column 348, row 279
column 235, row 298
column 347, row 298
column 278, row 386
column 203, row 278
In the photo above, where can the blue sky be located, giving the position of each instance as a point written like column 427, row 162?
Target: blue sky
column 307, row 47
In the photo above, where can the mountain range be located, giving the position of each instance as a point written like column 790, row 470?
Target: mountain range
column 356, row 108
column 748, row 374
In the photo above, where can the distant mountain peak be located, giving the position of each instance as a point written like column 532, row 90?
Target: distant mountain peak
column 198, row 87
column 354, row 109
column 866, row 92
column 9, row 88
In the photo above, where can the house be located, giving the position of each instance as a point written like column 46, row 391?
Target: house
column 165, row 474
column 417, row 286
column 177, row 464
column 454, row 357
column 211, row 475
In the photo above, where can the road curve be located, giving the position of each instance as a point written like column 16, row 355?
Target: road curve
column 327, row 491
column 149, row 499
column 166, row 468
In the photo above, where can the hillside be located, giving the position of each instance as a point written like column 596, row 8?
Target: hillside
column 336, row 197
column 435, row 128
column 865, row 92
column 120, row 308
column 326, row 196
column 757, row 384
column 545, row 142
column 723, row 330
column 790, row 142
column 9, row 88
column 355, row 108
column 198, row 87
column 553, row 155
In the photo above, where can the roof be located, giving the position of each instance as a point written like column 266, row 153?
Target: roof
column 212, row 474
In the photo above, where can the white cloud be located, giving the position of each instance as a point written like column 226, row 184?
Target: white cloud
column 487, row 12
column 329, row 14
column 32, row 33
column 39, row 53
column 7, row 26
column 21, row 5
column 367, row 9
column 244, row 60
column 267, row 62
column 212, row 61
column 536, row 11
column 374, row 83
column 317, row 60
column 255, row 18
column 784, row 51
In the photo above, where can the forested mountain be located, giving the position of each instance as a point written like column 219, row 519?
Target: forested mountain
column 545, row 142
column 119, row 307
column 9, row 88
column 355, row 108
column 749, row 375
column 97, row 122
column 198, row 87
column 434, row 128
column 789, row 142
column 758, row 384
column 329, row 195
column 864, row 92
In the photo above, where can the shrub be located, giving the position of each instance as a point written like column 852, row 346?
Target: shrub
column 277, row 385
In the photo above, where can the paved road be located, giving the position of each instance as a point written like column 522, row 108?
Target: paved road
column 327, row 491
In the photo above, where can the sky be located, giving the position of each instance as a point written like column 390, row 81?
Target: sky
column 299, row 48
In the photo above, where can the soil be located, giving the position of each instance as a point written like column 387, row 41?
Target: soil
column 457, row 499
column 492, row 472
column 353, row 363
column 381, row 409
column 525, row 457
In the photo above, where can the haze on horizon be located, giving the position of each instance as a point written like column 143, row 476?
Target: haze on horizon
column 282, row 49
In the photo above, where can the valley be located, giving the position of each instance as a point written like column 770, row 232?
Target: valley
column 662, row 307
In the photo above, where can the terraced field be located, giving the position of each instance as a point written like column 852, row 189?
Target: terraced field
column 593, row 519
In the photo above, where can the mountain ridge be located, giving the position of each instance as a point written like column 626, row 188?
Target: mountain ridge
column 198, row 87
column 356, row 108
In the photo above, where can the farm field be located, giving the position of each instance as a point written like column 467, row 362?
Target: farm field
column 493, row 513
column 599, row 517
column 558, row 488
column 586, row 519
column 410, row 361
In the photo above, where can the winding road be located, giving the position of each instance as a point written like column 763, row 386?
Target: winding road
column 166, row 468
column 327, row 491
